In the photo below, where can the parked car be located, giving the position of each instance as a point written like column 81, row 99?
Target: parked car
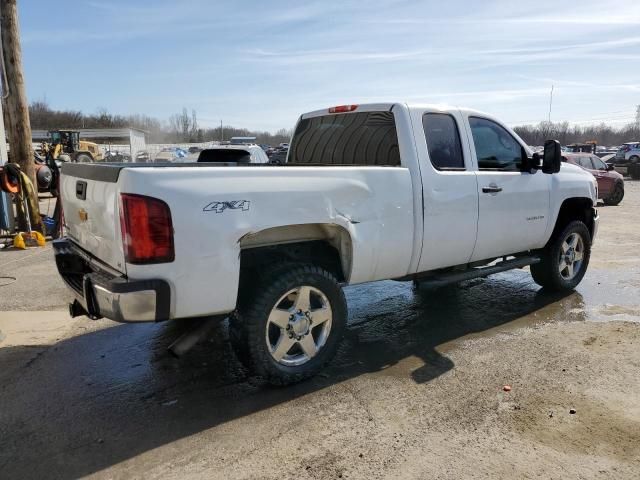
column 142, row 156
column 370, row 192
column 234, row 154
column 628, row 153
column 115, row 157
column 279, row 155
column 170, row 154
column 610, row 182
column 627, row 159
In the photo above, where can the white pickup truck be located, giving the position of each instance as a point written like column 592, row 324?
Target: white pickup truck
column 369, row 192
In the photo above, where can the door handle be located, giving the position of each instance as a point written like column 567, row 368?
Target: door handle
column 491, row 189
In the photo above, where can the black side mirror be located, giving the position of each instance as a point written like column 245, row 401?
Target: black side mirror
column 552, row 156
column 610, row 167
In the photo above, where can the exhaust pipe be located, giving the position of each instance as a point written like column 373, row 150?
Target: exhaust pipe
column 191, row 337
column 77, row 310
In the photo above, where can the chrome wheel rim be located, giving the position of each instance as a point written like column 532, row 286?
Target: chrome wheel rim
column 298, row 326
column 571, row 256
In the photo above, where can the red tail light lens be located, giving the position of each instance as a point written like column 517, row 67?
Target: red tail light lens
column 343, row 108
column 147, row 230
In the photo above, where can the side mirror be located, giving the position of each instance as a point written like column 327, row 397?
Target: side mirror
column 552, row 157
column 610, row 167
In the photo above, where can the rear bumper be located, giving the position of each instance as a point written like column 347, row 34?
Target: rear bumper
column 104, row 293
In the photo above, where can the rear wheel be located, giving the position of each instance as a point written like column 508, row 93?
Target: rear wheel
column 290, row 325
column 634, row 168
column 565, row 259
column 616, row 195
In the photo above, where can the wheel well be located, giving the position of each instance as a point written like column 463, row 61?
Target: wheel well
column 574, row 209
column 324, row 245
column 315, row 252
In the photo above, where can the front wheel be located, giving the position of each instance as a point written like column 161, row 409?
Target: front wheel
column 616, row 195
column 290, row 325
column 565, row 259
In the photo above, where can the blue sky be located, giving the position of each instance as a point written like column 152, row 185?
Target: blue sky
column 259, row 64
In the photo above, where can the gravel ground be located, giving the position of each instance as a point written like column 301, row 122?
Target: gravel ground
column 416, row 390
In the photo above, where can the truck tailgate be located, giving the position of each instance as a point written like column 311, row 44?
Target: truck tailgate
column 91, row 218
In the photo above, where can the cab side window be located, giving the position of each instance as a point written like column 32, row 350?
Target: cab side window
column 598, row 164
column 443, row 141
column 496, row 149
column 586, row 162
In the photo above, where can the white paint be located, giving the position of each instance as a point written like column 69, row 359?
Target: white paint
column 401, row 220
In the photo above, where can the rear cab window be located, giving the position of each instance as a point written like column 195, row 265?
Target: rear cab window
column 362, row 138
column 443, row 141
column 224, row 155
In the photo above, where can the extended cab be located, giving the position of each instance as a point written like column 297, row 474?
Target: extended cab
column 368, row 192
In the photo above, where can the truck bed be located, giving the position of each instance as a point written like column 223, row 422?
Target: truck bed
column 109, row 172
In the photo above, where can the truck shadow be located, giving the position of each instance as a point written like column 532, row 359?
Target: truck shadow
column 99, row 399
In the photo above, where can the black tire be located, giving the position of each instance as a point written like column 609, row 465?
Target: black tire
column 250, row 334
column 547, row 273
column 616, row 195
column 83, row 158
column 634, row 169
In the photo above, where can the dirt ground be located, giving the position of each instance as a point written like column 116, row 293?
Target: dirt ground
column 416, row 390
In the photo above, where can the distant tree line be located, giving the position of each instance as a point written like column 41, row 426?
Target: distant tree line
column 182, row 127
column 566, row 134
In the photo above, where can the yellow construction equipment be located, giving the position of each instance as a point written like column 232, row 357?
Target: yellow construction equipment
column 66, row 145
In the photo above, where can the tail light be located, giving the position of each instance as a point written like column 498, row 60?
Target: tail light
column 343, row 108
column 147, row 230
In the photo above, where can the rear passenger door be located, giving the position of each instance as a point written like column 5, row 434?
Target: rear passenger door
column 450, row 191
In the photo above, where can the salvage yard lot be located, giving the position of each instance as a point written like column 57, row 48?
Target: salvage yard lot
column 416, row 390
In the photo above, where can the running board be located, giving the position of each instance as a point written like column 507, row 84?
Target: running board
column 440, row 280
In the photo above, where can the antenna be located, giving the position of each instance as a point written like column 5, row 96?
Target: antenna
column 550, row 102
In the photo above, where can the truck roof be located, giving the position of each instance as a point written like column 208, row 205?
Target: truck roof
column 387, row 106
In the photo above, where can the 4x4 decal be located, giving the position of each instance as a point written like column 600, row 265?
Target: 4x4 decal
column 220, row 207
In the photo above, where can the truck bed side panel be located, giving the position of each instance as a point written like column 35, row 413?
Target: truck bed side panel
column 373, row 204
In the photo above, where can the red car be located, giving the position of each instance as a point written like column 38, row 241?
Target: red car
column 610, row 182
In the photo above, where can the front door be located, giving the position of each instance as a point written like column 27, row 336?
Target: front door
column 598, row 169
column 513, row 205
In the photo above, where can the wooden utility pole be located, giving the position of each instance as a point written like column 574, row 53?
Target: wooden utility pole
column 16, row 107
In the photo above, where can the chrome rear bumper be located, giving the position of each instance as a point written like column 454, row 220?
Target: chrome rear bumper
column 101, row 293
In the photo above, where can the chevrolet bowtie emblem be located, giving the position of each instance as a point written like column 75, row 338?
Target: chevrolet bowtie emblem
column 82, row 213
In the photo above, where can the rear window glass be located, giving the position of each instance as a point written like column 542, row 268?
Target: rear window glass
column 224, row 155
column 366, row 138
